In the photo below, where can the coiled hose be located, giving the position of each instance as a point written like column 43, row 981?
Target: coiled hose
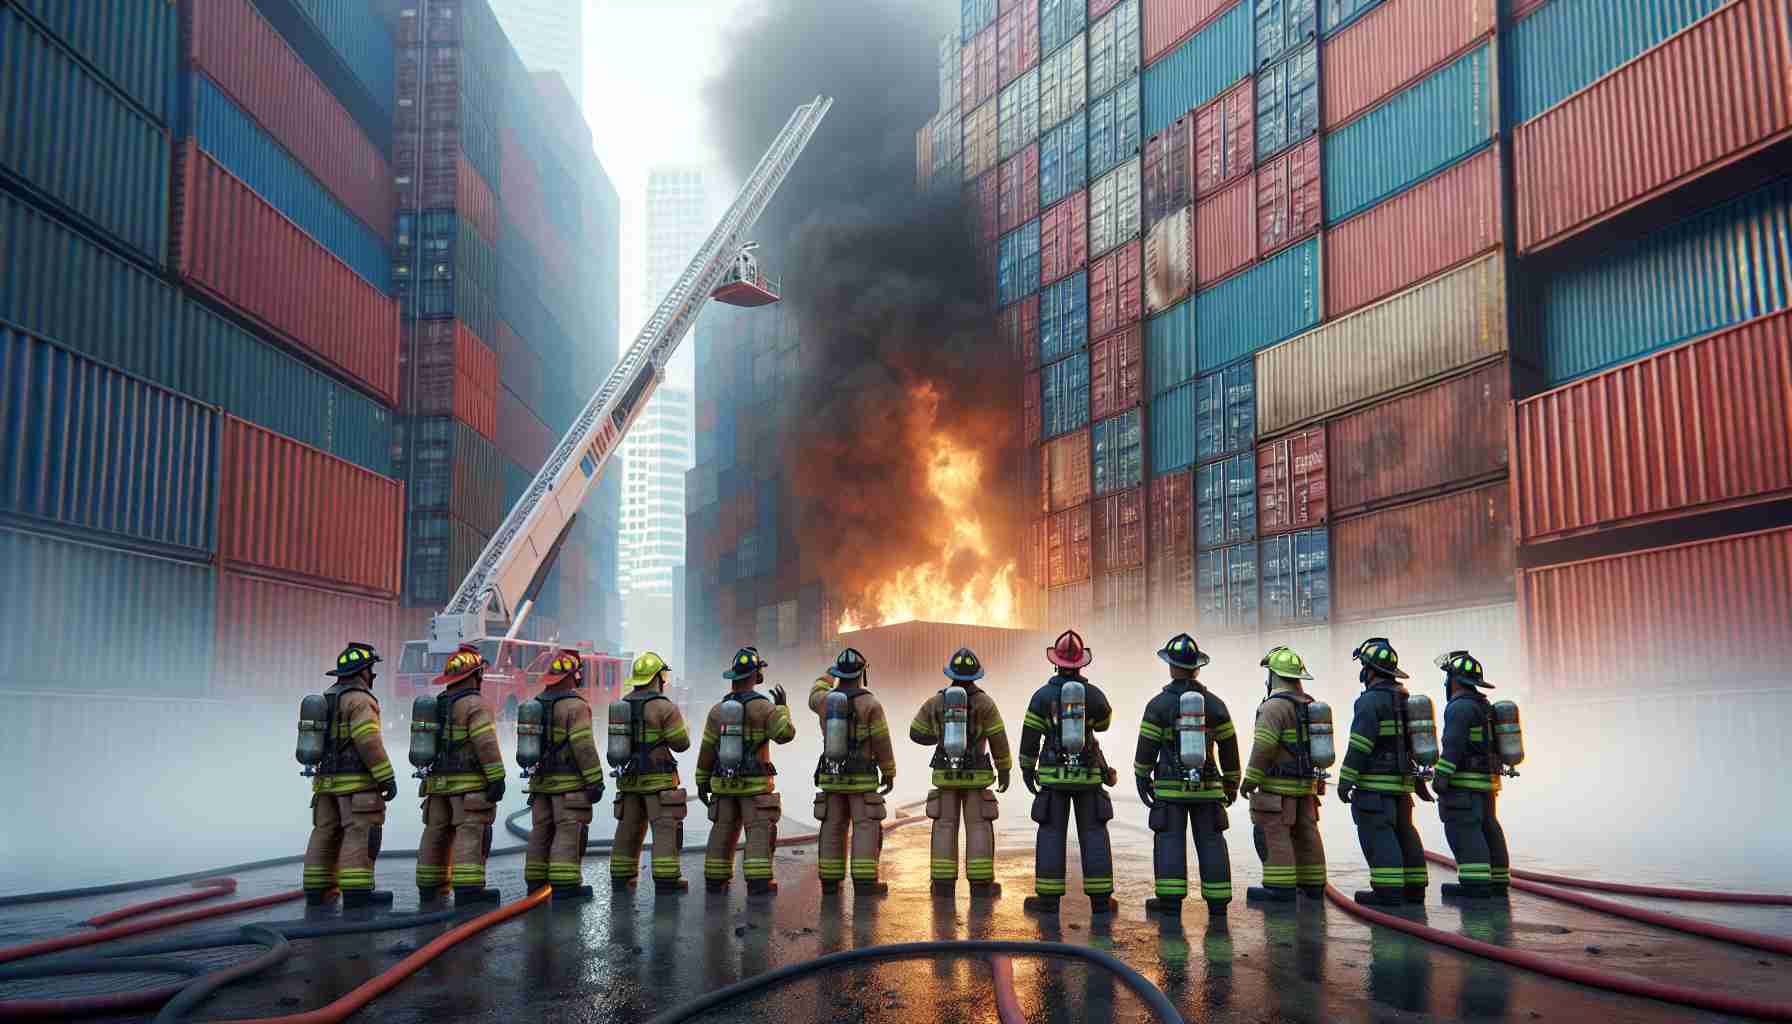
column 184, row 995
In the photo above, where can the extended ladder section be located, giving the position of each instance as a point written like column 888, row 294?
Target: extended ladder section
column 524, row 546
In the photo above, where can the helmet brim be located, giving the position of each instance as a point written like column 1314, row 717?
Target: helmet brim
column 1395, row 672
column 838, row 674
column 732, row 674
column 1303, row 675
column 1202, row 658
column 447, row 679
column 1479, row 685
column 1052, row 655
column 964, row 677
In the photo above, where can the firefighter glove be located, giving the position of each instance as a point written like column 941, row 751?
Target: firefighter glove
column 1344, row 791
column 1145, row 794
column 1422, row 790
column 889, row 784
column 595, row 792
column 494, row 790
column 1247, row 788
column 778, row 695
column 1231, row 794
column 1030, row 779
column 703, row 794
column 1002, row 781
column 389, row 790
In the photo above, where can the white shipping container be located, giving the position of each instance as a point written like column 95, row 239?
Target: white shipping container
column 1064, row 82
column 1167, row 271
column 980, row 142
column 1114, row 208
column 1489, row 632
column 1019, row 114
column 1114, row 48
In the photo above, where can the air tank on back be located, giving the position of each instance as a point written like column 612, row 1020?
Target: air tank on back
column 1421, row 729
column 530, row 715
column 314, row 727
column 1073, row 715
column 955, row 737
column 425, row 732
column 1508, row 733
column 1191, row 732
column 836, row 714
column 1321, row 746
column 731, row 738
column 621, row 744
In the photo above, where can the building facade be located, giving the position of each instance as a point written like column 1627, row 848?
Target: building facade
column 651, row 543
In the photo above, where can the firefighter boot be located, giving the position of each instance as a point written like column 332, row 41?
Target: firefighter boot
column 984, row 890
column 1458, row 891
column 434, row 893
column 715, row 885
column 353, row 899
column 945, row 888
column 762, row 887
column 569, row 895
column 621, row 884
column 1041, row 904
column 1415, row 894
column 320, row 897
column 469, row 895
column 863, row 889
column 1269, row 894
column 1216, row 909
column 1375, row 898
column 830, row 887
column 1168, row 906
column 1313, row 892
column 1102, row 903
column 670, row 886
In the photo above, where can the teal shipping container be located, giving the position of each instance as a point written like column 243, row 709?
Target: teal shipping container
column 96, row 451
column 1114, row 128
column 1204, row 66
column 1064, row 317
column 1415, row 134
column 1335, row 14
column 1064, row 159
column 1064, row 395
column 1287, row 96
column 362, row 41
column 72, row 139
column 1296, row 578
column 1059, row 22
column 1717, row 268
column 1273, row 300
column 1226, row 501
column 1115, row 453
column 134, row 44
column 1172, row 430
column 1567, row 45
column 1170, row 347
column 1226, row 412
column 1226, row 589
column 1282, row 26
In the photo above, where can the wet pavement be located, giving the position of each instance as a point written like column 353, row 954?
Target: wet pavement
column 623, row 957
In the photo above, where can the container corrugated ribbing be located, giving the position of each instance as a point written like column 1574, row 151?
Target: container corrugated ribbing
column 1165, row 169
column 1394, row 44
column 1225, row 228
column 456, row 375
column 1116, row 373
column 1063, row 160
column 1207, row 64
column 1113, row 121
column 522, row 438
column 1017, row 189
column 94, row 451
column 1448, row 434
column 1273, row 300
column 1064, row 470
column 1068, row 547
column 1634, row 616
column 1113, row 47
column 1565, row 47
column 1064, row 319
column 1063, row 83
column 455, row 471
column 275, row 636
column 1169, row 22
column 1114, row 291
column 1226, row 594
column 1705, row 425
column 74, row 141
column 1287, row 96
column 1120, row 531
column 1064, row 239
column 1288, row 198
column 1226, row 501
column 1172, row 429
column 439, row 550
column 1451, row 551
column 1018, row 115
column 1059, row 22
column 1117, row 453
column 1223, row 139
column 363, row 42
column 1295, row 577
column 1282, row 26
column 133, row 43
column 1018, row 326
column 983, row 200
column 1291, row 482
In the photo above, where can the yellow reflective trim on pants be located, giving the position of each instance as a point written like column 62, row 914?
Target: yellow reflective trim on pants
column 467, row 874
column 534, row 870
column 980, row 869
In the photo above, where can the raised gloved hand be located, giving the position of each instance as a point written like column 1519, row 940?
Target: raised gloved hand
column 595, row 792
column 1002, row 781
column 889, row 784
column 494, row 791
column 703, row 794
column 389, row 790
column 778, row 696
column 1344, row 791
column 1030, row 779
column 1145, row 794
column 1422, row 790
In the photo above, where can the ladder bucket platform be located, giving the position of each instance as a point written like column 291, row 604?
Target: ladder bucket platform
column 737, row 292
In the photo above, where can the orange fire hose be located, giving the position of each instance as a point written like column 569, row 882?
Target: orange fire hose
column 204, row 889
column 1008, row 1009
column 119, row 931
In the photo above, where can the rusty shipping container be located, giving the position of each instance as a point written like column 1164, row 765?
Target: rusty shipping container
column 1714, row 613
column 284, row 506
column 1447, row 552
column 1068, row 547
column 1170, row 548
column 1226, row 233
column 1114, row 294
column 232, row 245
column 1120, row 531
column 1224, row 139
column 987, row 68
column 1449, row 322
column 1288, row 207
column 272, row 634
column 1169, row 259
column 1017, row 189
column 1632, row 122
column 1435, row 225
column 1291, row 482
column 1018, row 326
column 1116, row 373
column 1030, row 408
column 1393, row 45
column 1704, row 425
column 984, row 198
column 1064, row 462
column 980, row 141
column 1168, row 22
column 231, row 42
column 1166, row 172
column 456, row 375
column 1420, row 443
column 1064, row 239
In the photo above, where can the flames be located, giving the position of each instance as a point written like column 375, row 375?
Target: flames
column 965, row 582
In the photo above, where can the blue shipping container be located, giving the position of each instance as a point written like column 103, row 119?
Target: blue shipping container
column 1565, row 46
column 1201, row 68
column 1282, row 25
column 1335, row 14
column 133, row 43
column 974, row 16
column 1170, row 348
column 1114, row 128
column 232, row 136
column 1059, row 22
column 130, row 621
column 1064, row 317
column 1720, row 267
column 1288, row 102
column 363, row 43
column 1116, row 454
column 1296, row 571
column 1064, row 395
column 69, row 136
column 1226, row 411
column 1273, row 300
column 60, row 285
column 1017, row 263
column 1063, row 160
column 1226, row 589
column 1415, row 134
column 1172, row 426
column 1226, row 501
column 98, row 451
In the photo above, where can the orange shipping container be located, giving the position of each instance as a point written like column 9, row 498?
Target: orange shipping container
column 522, row 437
column 1116, row 374
column 1065, row 464
column 1704, row 425
column 1029, row 402
column 1068, row 547
column 275, row 638
column 1114, row 290
column 456, row 375
column 1392, row 46
column 1291, row 482
column 1446, row 552
column 1288, row 207
column 1170, row 550
column 1450, row 433
column 1120, row 526
column 292, row 509
column 1225, row 233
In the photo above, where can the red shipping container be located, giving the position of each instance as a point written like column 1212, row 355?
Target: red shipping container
column 1064, row 238
column 1224, row 138
column 984, row 195
column 522, row 437
column 272, row 635
column 1018, row 326
column 1700, row 426
column 1520, row 8
column 1029, row 33
column 1291, row 482
column 1097, row 8
column 1068, row 547
column 1168, row 272
column 1392, row 46
column 984, row 47
column 1663, row 620
column 1116, row 373
column 232, row 245
column 1166, row 172
column 967, row 76
column 1423, row 442
column 1448, row 552
column 1168, row 22
column 1064, row 464
column 1017, row 189
column 1013, row 52
column 1727, row 72
column 1114, row 297
column 1032, row 475
column 456, row 375
column 1035, row 563
column 1120, row 528
column 1170, row 549
column 440, row 178
column 1425, row 230
column 1029, row 402
column 288, row 507
column 1225, row 233
column 248, row 59
column 520, row 370
column 1288, row 207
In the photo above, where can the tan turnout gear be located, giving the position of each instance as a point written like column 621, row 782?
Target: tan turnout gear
column 848, row 799
column 457, row 817
column 559, row 807
column 652, row 797
column 347, row 812
column 964, row 792
column 1285, row 804
column 747, row 800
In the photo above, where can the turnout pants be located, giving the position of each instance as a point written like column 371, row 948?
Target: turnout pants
column 1477, row 841
column 863, row 813
column 979, row 809
column 1052, row 810
column 664, row 811
column 558, row 823
column 1206, row 819
column 758, row 814
column 457, row 835
column 1292, row 852
column 1390, row 841
column 345, row 841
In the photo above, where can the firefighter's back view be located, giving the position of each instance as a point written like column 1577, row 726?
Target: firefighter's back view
column 568, row 780
column 735, row 775
column 855, row 751
column 339, row 738
column 644, row 734
column 971, row 753
column 462, row 787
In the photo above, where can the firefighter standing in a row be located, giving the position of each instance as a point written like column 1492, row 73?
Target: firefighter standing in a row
column 1283, row 787
column 855, row 749
column 354, row 781
column 1062, row 765
column 567, row 783
column 735, row 775
column 647, row 789
column 1468, row 779
column 461, row 793
column 1378, row 781
column 971, row 754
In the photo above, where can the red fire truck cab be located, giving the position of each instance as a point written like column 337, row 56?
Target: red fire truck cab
column 515, row 675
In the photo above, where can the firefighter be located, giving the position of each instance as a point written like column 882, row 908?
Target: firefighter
column 1282, row 786
column 972, row 754
column 1185, row 796
column 1468, row 783
column 735, row 775
column 568, row 781
column 647, row 790
column 1066, row 773
column 855, row 749
column 353, row 784
column 1379, row 778
column 463, row 787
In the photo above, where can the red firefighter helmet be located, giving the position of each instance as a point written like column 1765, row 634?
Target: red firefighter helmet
column 566, row 665
column 1068, row 651
column 462, row 663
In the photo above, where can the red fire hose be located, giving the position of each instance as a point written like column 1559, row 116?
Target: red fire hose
column 119, row 931
column 1008, row 1009
column 1759, row 899
column 1705, row 929
column 1684, row 995
column 204, row 889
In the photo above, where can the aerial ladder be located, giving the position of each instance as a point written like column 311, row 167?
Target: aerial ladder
column 500, row 588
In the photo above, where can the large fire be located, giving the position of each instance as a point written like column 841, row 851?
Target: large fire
column 930, row 592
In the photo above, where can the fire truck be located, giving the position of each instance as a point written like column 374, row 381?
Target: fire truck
column 515, row 674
